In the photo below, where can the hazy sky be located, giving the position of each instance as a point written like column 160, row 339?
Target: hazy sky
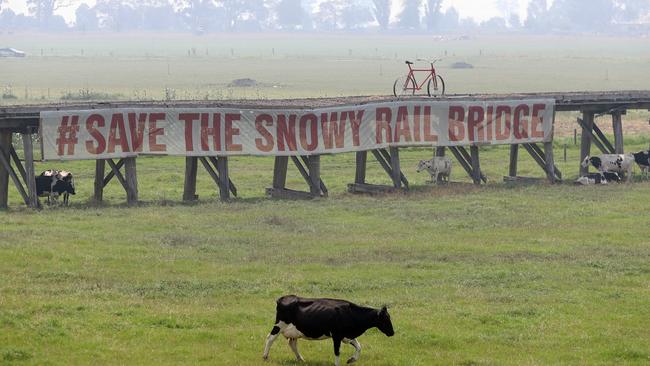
column 477, row 9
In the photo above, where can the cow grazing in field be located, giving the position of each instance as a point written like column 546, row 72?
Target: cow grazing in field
column 438, row 166
column 316, row 319
column 599, row 178
column 612, row 163
column 642, row 159
column 53, row 183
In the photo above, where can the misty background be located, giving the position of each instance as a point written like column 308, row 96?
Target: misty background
column 608, row 17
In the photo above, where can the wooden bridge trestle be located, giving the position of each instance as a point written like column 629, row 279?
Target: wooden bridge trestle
column 389, row 161
column 25, row 120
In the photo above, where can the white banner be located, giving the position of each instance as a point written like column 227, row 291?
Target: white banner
column 116, row 133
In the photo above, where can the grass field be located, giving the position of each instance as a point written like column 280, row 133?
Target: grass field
column 491, row 275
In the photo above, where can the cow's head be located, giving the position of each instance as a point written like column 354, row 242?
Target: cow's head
column 383, row 322
column 585, row 163
column 424, row 164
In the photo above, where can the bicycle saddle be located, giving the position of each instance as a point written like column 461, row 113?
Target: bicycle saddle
column 409, row 63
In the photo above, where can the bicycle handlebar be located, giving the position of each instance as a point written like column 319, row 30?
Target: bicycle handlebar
column 431, row 61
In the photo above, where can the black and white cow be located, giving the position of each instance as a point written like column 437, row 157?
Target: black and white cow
column 316, row 319
column 612, row 163
column 599, row 178
column 53, row 183
column 642, row 159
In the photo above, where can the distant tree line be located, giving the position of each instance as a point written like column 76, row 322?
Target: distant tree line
column 415, row 16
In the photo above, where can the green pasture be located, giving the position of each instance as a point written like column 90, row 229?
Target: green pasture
column 492, row 275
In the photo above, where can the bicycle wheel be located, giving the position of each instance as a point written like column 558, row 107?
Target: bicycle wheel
column 436, row 90
column 404, row 85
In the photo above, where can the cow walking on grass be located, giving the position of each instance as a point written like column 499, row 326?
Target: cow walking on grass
column 316, row 319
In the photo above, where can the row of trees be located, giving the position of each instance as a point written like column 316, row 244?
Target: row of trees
column 328, row 15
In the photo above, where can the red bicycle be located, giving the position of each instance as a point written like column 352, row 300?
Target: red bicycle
column 407, row 85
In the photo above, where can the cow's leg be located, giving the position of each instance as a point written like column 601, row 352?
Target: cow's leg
column 629, row 174
column 269, row 341
column 337, row 350
column 357, row 349
column 293, row 343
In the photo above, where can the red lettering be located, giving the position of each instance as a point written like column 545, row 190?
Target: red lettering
column 117, row 134
column 333, row 129
column 428, row 135
column 520, row 125
column 207, row 131
column 489, row 122
column 456, row 123
column 311, row 120
column 155, row 131
column 265, row 145
column 355, row 123
column 231, row 132
column 475, row 117
column 94, row 132
column 136, row 127
column 537, row 121
column 286, row 133
column 416, row 124
column 503, row 121
column 383, row 118
column 402, row 127
column 189, row 119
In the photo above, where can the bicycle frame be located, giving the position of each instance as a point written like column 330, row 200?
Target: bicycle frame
column 431, row 74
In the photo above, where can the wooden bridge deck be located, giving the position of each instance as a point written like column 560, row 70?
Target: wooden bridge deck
column 19, row 117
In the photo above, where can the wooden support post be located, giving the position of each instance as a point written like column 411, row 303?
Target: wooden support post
column 396, row 170
column 603, row 140
column 383, row 162
column 231, row 185
column 210, row 170
column 617, row 126
column 302, row 168
column 514, row 156
column 224, row 179
column 131, row 181
column 6, row 164
column 461, row 159
column 100, row 171
column 314, row 175
column 468, row 159
column 537, row 151
column 115, row 168
column 585, row 139
column 550, row 161
column 440, row 152
column 388, row 158
column 191, row 170
column 5, row 146
column 360, row 176
column 17, row 163
column 476, row 165
column 280, row 172
column 30, row 178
